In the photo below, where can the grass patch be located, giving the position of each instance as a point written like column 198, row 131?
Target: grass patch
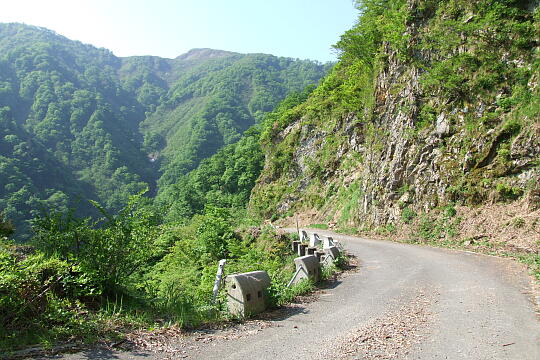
column 531, row 260
column 319, row 226
column 280, row 294
column 386, row 230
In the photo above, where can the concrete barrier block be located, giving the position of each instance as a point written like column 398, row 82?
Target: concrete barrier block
column 310, row 268
column 327, row 242
column 295, row 244
column 302, row 249
column 311, row 250
column 245, row 293
column 332, row 251
column 319, row 255
column 314, row 240
column 303, row 236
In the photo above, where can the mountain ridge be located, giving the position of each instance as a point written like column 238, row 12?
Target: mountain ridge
column 96, row 113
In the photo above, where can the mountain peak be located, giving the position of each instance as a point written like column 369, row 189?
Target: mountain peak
column 204, row 53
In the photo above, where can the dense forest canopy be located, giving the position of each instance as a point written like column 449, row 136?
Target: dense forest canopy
column 78, row 123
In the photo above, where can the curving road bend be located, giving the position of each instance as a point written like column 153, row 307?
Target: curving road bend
column 404, row 302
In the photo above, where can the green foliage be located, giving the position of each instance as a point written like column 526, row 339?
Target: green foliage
column 436, row 227
column 381, row 21
column 283, row 115
column 488, row 32
column 328, row 271
column 508, row 192
column 40, row 297
column 279, row 294
column 386, row 230
column 341, row 262
column 223, row 180
column 349, row 197
column 511, row 127
column 129, row 267
column 181, row 283
column 6, row 228
column 408, row 215
column 450, row 211
column 215, row 235
column 110, row 250
column 77, row 122
column 68, row 129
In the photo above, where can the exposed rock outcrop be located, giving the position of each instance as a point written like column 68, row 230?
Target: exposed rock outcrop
column 424, row 137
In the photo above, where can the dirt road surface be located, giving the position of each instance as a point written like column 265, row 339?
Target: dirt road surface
column 403, row 302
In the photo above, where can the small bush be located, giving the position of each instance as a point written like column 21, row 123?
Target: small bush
column 279, row 294
column 450, row 211
column 329, row 270
column 426, row 228
column 407, row 215
column 388, row 229
column 432, row 228
column 507, row 192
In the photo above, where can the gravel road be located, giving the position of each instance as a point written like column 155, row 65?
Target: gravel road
column 403, row 302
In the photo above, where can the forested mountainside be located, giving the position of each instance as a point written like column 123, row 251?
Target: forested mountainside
column 428, row 127
column 79, row 123
column 432, row 110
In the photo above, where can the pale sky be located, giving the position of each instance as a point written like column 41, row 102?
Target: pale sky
column 304, row 29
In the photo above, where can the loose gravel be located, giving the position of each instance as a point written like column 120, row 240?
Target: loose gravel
column 389, row 336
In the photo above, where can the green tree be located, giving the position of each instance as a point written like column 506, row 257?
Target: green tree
column 110, row 250
column 6, row 227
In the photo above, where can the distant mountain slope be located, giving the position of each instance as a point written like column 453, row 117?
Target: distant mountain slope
column 149, row 77
column 213, row 103
column 67, row 105
column 205, row 99
column 114, row 125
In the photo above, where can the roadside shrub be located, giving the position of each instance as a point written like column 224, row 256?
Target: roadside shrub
column 407, row 215
column 437, row 226
column 40, row 295
column 109, row 250
column 450, row 211
column 279, row 294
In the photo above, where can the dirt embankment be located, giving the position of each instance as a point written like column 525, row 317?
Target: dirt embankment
column 498, row 228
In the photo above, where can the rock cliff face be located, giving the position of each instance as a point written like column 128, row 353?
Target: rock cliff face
column 445, row 114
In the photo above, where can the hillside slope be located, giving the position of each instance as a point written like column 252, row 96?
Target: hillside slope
column 79, row 123
column 70, row 130
column 431, row 115
column 211, row 103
